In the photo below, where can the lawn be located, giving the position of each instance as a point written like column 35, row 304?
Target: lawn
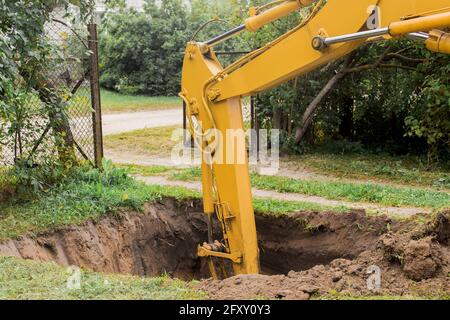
column 377, row 193
column 150, row 141
column 90, row 194
column 23, row 279
column 355, row 192
column 407, row 170
column 116, row 102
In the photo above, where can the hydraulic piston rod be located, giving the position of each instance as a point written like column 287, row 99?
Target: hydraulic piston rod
column 410, row 28
column 257, row 21
column 227, row 35
column 420, row 36
column 320, row 42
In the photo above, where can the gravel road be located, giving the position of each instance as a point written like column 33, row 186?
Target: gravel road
column 130, row 121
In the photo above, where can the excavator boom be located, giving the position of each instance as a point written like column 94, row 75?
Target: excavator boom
column 212, row 95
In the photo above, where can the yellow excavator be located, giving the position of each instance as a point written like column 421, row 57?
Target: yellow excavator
column 212, row 96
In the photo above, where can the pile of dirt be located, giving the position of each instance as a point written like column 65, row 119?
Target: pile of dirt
column 405, row 260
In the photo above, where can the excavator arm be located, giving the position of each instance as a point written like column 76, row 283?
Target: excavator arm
column 212, row 95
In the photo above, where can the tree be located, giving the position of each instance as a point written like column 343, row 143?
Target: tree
column 141, row 52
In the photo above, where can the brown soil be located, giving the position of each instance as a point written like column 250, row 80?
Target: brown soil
column 302, row 254
column 413, row 260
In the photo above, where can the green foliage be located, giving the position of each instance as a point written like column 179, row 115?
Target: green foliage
column 141, row 52
column 22, row 33
column 430, row 119
column 31, row 180
column 400, row 110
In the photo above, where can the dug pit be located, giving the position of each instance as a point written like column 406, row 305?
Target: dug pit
column 302, row 254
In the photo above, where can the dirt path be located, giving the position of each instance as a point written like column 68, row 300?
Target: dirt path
column 124, row 157
column 403, row 211
column 130, row 121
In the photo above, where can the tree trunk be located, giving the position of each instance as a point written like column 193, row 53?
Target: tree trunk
column 276, row 120
column 314, row 105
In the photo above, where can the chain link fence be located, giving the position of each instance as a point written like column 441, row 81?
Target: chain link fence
column 65, row 106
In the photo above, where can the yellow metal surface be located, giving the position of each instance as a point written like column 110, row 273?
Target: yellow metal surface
column 439, row 41
column 427, row 23
column 236, row 257
column 212, row 94
column 258, row 21
column 231, row 180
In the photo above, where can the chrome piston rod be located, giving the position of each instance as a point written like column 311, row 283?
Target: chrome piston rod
column 225, row 36
column 320, row 43
column 420, row 36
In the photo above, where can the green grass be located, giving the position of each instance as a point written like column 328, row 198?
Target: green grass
column 86, row 197
column 279, row 208
column 91, row 194
column 383, row 168
column 22, row 279
column 407, row 170
column 146, row 171
column 150, row 141
column 116, row 102
column 189, row 174
column 353, row 192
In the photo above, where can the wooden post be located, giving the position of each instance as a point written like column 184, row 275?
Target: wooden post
column 95, row 95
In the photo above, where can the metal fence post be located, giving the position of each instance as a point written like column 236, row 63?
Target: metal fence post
column 95, row 95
